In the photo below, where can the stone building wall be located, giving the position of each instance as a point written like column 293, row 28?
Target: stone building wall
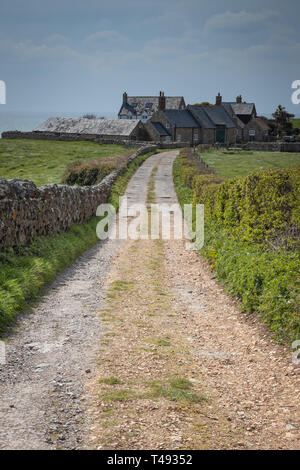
column 27, row 212
column 208, row 136
column 260, row 136
column 231, row 135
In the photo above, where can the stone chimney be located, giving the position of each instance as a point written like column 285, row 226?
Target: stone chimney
column 124, row 98
column 161, row 101
column 218, row 99
column 239, row 99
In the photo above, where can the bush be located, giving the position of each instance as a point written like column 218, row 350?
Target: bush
column 265, row 280
column 261, row 206
column 93, row 172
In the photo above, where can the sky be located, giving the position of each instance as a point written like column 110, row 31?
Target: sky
column 79, row 56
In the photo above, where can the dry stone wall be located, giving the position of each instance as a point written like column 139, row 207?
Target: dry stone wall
column 27, row 212
column 67, row 137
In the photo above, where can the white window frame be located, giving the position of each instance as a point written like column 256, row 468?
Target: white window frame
column 178, row 138
column 252, row 132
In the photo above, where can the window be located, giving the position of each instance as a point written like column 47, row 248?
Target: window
column 266, row 132
column 167, row 125
column 178, row 138
column 196, row 136
column 252, row 132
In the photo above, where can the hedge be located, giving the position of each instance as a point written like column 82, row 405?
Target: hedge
column 246, row 222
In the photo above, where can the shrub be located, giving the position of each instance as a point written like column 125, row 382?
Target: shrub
column 93, row 172
column 265, row 280
column 261, row 206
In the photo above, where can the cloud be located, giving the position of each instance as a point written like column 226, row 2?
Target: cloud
column 107, row 36
column 55, row 39
column 27, row 51
column 238, row 22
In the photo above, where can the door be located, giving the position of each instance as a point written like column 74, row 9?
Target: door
column 220, row 135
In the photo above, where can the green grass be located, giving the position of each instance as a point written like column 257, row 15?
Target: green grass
column 296, row 123
column 111, row 381
column 44, row 161
column 24, row 274
column 175, row 390
column 242, row 163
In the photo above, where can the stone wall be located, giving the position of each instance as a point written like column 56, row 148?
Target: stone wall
column 91, row 138
column 27, row 212
column 274, row 146
column 60, row 136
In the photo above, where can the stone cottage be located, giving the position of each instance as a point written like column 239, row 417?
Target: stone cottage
column 143, row 107
column 215, row 123
column 194, row 125
column 173, row 125
column 249, row 126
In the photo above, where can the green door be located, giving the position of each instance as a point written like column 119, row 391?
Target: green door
column 220, row 135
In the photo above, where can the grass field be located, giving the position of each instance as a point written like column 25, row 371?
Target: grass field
column 45, row 161
column 229, row 164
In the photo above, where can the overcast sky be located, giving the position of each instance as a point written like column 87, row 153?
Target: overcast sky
column 80, row 55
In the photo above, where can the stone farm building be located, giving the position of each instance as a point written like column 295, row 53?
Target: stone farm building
column 195, row 124
column 249, row 126
column 223, row 123
column 143, row 107
column 101, row 128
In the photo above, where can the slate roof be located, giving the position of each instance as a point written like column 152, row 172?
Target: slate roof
column 181, row 118
column 109, row 127
column 212, row 116
column 161, row 129
column 263, row 124
column 202, row 116
column 149, row 104
column 219, row 116
column 242, row 109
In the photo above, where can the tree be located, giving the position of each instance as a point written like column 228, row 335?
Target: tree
column 283, row 120
column 204, row 103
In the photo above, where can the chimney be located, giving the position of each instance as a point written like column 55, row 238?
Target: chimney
column 124, row 98
column 239, row 99
column 161, row 101
column 218, row 99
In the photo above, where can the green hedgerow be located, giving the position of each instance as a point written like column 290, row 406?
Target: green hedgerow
column 240, row 216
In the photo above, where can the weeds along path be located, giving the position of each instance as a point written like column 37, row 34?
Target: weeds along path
column 51, row 353
column 179, row 366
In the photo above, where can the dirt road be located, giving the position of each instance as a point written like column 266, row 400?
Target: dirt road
column 137, row 346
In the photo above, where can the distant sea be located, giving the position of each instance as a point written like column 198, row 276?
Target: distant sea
column 26, row 122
